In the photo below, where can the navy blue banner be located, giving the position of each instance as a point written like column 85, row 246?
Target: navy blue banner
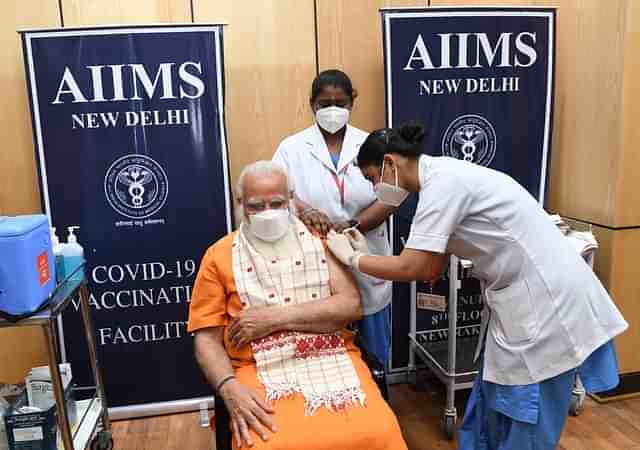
column 129, row 132
column 481, row 80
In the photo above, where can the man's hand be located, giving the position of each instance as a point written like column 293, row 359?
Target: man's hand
column 316, row 220
column 253, row 323
column 247, row 410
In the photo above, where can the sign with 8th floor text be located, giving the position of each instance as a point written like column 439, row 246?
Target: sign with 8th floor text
column 481, row 81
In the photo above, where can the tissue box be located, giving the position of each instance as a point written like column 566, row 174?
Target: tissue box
column 27, row 266
column 40, row 387
column 35, row 430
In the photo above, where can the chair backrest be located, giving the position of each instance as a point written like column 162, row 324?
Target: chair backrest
column 221, row 423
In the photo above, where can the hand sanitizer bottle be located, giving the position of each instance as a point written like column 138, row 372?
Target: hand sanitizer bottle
column 57, row 255
column 73, row 255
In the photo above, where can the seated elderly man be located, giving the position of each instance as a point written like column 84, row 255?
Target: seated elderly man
column 269, row 310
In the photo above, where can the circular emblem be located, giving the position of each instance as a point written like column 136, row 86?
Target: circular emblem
column 471, row 138
column 136, row 186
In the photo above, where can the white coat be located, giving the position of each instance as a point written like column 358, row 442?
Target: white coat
column 549, row 312
column 306, row 159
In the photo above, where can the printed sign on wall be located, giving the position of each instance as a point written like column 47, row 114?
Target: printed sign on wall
column 481, row 81
column 130, row 139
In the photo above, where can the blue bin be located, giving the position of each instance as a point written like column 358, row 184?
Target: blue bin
column 27, row 265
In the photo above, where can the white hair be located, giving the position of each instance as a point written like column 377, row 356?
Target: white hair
column 261, row 168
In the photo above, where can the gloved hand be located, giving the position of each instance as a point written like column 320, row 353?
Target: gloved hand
column 357, row 240
column 341, row 247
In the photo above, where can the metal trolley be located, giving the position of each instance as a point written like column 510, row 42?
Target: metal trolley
column 93, row 429
column 455, row 367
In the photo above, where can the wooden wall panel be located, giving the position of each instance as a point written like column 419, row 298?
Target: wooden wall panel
column 350, row 39
column 588, row 109
column 20, row 349
column 627, row 211
column 100, row 12
column 617, row 267
column 18, row 183
column 269, row 65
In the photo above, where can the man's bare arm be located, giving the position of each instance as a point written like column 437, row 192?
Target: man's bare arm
column 247, row 408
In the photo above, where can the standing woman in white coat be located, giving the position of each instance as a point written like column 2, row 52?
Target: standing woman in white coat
column 332, row 194
column 546, row 317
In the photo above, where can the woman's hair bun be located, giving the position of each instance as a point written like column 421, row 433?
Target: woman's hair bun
column 412, row 132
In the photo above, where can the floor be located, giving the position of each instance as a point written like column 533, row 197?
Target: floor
column 609, row 426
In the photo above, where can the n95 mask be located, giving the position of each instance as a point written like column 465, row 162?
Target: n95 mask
column 388, row 193
column 270, row 225
column 332, row 118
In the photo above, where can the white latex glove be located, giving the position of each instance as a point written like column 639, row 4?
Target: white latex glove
column 340, row 246
column 357, row 240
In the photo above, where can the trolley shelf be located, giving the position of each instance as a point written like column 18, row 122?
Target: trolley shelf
column 436, row 353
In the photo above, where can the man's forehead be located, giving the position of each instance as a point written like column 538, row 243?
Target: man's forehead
column 265, row 197
column 266, row 186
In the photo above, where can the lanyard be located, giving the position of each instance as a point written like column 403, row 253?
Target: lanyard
column 340, row 185
column 336, row 178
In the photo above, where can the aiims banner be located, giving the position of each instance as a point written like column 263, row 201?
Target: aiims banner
column 129, row 131
column 481, row 80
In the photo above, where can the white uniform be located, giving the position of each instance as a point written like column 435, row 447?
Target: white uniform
column 316, row 181
column 548, row 310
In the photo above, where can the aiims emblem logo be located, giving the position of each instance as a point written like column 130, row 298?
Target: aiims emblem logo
column 136, row 186
column 471, row 138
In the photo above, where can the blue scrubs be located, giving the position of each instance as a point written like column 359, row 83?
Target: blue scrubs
column 375, row 330
column 335, row 159
column 531, row 417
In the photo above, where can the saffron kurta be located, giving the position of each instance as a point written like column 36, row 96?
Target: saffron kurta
column 374, row 427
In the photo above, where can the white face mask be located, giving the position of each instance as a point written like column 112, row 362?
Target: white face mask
column 332, row 118
column 270, row 225
column 388, row 193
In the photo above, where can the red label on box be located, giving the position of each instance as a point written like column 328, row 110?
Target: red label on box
column 43, row 268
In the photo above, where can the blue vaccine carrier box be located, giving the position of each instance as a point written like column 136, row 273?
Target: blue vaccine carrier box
column 27, row 265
